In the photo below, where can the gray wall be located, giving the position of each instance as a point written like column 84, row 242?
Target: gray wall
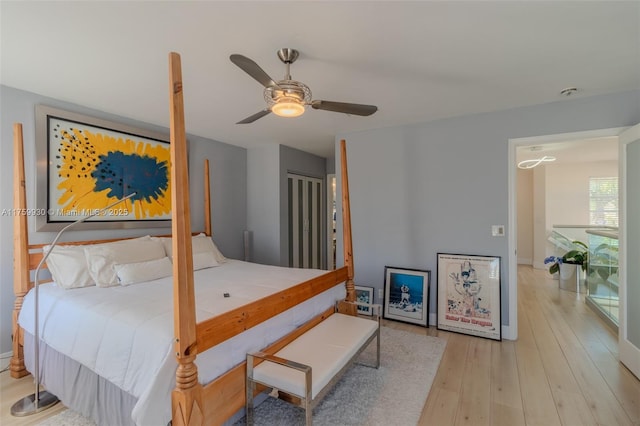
column 438, row 187
column 228, row 174
column 267, row 198
column 263, row 216
column 302, row 163
column 415, row 190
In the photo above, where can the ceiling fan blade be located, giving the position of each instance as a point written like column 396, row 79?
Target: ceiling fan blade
column 346, row 108
column 253, row 69
column 254, row 117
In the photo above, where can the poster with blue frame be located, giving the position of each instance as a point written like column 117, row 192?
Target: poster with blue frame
column 406, row 295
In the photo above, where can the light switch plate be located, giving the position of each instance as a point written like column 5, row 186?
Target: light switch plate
column 497, row 230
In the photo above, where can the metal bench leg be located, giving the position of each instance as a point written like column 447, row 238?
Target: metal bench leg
column 249, row 389
column 308, row 407
column 378, row 347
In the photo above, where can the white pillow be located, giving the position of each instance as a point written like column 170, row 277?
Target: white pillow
column 199, row 243
column 166, row 243
column 102, row 257
column 204, row 260
column 131, row 273
column 68, row 266
column 205, row 243
column 216, row 252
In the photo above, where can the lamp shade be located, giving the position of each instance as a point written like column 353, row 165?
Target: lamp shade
column 288, row 107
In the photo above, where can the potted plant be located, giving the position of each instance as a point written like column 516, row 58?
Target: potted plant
column 578, row 255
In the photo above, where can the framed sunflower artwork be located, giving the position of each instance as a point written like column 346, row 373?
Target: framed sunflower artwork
column 86, row 164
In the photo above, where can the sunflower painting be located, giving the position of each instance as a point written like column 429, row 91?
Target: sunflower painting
column 92, row 167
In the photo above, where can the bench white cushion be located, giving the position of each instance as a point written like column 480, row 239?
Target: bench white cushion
column 326, row 348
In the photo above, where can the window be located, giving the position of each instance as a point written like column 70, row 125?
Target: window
column 603, row 201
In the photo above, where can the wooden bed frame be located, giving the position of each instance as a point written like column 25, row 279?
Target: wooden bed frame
column 192, row 403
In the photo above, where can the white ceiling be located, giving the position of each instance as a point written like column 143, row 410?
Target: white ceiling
column 417, row 61
column 575, row 151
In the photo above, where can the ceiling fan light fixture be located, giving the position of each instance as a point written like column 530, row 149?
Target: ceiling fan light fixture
column 288, row 98
column 288, row 107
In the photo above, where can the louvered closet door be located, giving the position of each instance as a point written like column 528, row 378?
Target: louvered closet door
column 305, row 221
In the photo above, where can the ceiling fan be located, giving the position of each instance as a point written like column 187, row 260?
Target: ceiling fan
column 288, row 98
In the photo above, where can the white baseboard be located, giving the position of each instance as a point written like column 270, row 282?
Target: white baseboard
column 509, row 332
column 540, row 265
column 433, row 319
column 525, row 261
column 5, row 359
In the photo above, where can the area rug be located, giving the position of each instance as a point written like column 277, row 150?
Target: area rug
column 67, row 418
column 394, row 394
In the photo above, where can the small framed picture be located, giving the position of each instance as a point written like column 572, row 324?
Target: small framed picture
column 364, row 295
column 469, row 295
column 406, row 295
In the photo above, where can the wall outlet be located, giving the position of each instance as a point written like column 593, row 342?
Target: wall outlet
column 380, row 294
column 497, row 230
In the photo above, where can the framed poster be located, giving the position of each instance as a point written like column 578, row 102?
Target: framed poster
column 86, row 164
column 364, row 295
column 406, row 295
column 469, row 295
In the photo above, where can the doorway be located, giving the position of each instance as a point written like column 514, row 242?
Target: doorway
column 538, row 253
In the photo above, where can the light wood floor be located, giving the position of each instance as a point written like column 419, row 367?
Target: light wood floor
column 562, row 370
column 11, row 391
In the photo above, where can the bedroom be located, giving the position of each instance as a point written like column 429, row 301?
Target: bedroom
column 465, row 156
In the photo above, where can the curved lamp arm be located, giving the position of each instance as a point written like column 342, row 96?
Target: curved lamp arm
column 31, row 404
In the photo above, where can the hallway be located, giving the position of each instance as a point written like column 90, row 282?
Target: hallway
column 562, row 370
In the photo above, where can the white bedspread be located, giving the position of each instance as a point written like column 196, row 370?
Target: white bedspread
column 125, row 334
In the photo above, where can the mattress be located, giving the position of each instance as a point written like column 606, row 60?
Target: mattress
column 125, row 333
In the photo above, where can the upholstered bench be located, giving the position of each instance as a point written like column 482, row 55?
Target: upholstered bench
column 312, row 363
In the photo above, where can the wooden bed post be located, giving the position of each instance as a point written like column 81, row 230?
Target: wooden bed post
column 346, row 232
column 207, row 199
column 20, row 250
column 186, row 398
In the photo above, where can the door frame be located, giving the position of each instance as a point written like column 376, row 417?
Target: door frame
column 511, row 331
column 331, row 201
column 629, row 353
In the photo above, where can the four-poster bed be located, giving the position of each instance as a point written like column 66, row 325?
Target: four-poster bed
column 192, row 401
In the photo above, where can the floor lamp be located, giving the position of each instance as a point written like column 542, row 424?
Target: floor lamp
column 42, row 400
